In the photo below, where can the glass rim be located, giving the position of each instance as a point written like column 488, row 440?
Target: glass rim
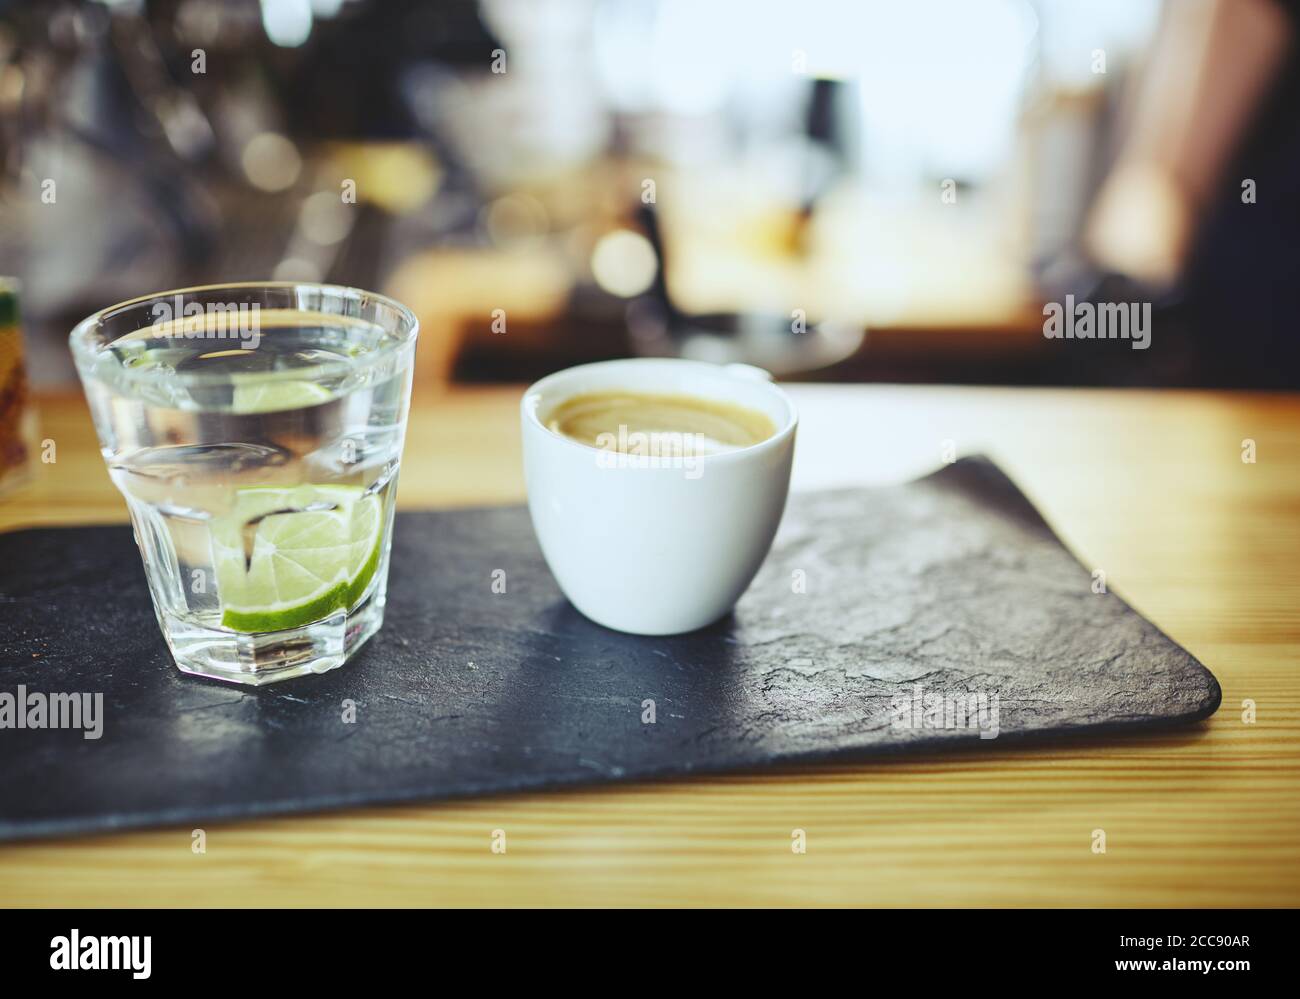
column 85, row 350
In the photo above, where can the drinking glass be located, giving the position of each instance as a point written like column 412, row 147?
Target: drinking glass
column 255, row 431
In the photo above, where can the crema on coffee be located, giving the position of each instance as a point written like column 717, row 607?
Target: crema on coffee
column 629, row 421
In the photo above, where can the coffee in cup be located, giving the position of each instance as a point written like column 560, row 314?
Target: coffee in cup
column 633, row 422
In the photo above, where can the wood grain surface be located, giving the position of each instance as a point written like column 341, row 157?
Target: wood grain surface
column 1148, row 487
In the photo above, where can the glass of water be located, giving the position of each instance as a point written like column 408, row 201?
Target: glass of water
column 256, row 431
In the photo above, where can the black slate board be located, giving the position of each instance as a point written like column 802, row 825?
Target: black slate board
column 952, row 582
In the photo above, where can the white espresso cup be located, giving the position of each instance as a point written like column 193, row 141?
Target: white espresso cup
column 656, row 544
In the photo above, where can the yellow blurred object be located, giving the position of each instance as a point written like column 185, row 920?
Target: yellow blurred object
column 17, row 419
column 399, row 177
column 862, row 259
column 777, row 234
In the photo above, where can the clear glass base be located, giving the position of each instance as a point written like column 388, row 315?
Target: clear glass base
column 255, row 660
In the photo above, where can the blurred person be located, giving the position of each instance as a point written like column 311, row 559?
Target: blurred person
column 1201, row 210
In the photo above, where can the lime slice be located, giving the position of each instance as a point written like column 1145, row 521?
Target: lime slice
column 270, row 397
column 287, row 557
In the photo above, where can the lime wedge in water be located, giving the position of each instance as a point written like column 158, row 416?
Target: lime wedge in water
column 288, row 557
column 271, row 397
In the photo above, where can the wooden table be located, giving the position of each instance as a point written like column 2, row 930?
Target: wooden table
column 1150, row 487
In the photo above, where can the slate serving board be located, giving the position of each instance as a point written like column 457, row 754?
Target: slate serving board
column 871, row 601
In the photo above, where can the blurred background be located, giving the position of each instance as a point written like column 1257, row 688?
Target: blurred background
column 852, row 191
